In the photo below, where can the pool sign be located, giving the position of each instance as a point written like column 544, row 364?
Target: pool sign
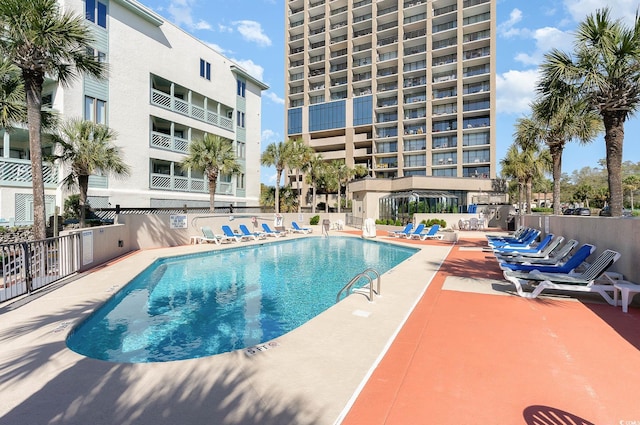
column 178, row 221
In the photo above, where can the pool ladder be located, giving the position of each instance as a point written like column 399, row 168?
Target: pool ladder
column 356, row 278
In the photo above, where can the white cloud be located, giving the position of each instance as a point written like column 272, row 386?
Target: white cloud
column 252, row 68
column 274, row 97
column 252, row 31
column 546, row 38
column 217, row 48
column 268, row 136
column 181, row 13
column 515, row 91
column 506, row 29
column 224, row 28
column 623, row 9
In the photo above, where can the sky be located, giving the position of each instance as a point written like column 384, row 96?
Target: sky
column 252, row 33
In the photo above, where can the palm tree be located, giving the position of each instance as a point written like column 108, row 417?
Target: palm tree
column 557, row 119
column 314, row 176
column 42, row 40
column 87, row 147
column 538, row 161
column 632, row 183
column 343, row 174
column 276, row 154
column 298, row 160
column 514, row 166
column 604, row 72
column 213, row 155
column 13, row 109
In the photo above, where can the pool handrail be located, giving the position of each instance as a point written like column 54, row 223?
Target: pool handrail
column 357, row 278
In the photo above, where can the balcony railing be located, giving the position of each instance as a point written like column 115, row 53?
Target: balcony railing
column 186, row 184
column 182, row 107
column 17, row 172
column 168, row 142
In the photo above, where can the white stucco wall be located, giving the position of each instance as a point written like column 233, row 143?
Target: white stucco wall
column 138, row 48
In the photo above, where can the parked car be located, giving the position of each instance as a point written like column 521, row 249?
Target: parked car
column 568, row 211
column 582, row 211
column 606, row 212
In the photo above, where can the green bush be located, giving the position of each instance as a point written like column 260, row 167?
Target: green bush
column 542, row 210
column 432, row 221
column 314, row 220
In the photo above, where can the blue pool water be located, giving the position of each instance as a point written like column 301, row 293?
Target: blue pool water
column 204, row 304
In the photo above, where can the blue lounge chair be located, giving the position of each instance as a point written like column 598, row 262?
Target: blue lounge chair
column 513, row 240
column 525, row 242
column 530, row 249
column 254, row 235
column 419, row 228
column 574, row 261
column 431, row 234
column 546, row 252
column 570, row 282
column 297, row 229
column 557, row 257
column 272, row 233
column 405, row 231
column 516, row 235
column 229, row 235
column 208, row 236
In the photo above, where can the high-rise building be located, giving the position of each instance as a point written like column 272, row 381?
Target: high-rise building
column 404, row 88
column 164, row 89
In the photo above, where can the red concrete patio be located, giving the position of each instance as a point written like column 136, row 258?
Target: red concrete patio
column 467, row 357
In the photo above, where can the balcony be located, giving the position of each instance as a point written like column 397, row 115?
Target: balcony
column 168, row 142
column 166, row 101
column 17, row 172
column 186, row 184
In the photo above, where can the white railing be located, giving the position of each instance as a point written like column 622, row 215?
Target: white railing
column 180, row 106
column 187, row 184
column 29, row 266
column 165, row 141
column 19, row 171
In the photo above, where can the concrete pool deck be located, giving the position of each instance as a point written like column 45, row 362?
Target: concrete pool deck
column 446, row 343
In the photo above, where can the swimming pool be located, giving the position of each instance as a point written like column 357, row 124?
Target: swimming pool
column 209, row 303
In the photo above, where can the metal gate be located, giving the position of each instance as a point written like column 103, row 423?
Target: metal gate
column 28, row 266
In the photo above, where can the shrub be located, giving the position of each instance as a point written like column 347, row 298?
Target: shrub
column 433, row 221
column 314, row 220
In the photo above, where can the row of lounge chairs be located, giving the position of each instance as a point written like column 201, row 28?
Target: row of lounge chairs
column 418, row 233
column 228, row 235
column 552, row 264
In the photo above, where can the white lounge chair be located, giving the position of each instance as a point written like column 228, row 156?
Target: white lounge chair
column 254, row 235
column 297, row 229
column 570, row 282
column 208, row 236
column 272, row 233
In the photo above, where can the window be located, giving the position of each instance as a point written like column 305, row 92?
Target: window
column 242, row 86
column 362, row 110
column 327, row 116
column 240, row 181
column 294, row 121
column 95, row 110
column 241, row 150
column 205, row 69
column 240, row 119
column 98, row 55
column 96, row 12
